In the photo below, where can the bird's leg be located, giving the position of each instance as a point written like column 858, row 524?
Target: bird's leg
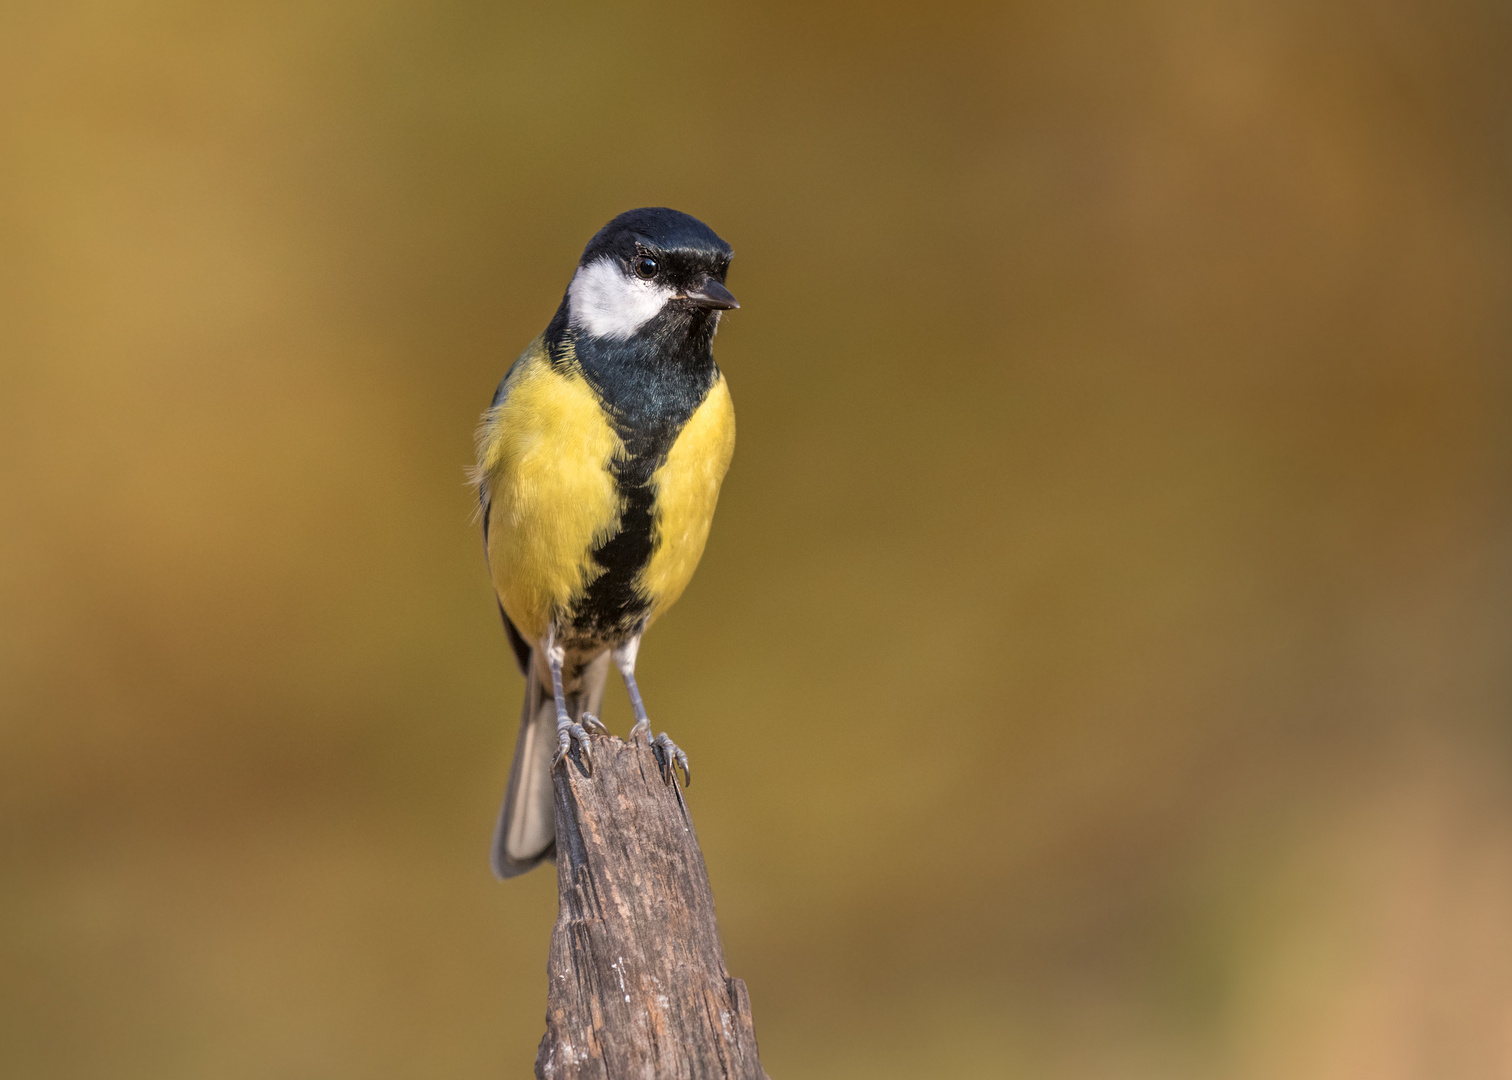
column 624, row 659
column 567, row 731
column 672, row 756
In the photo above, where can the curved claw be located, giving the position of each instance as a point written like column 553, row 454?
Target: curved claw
column 570, row 733
column 594, row 724
column 642, row 727
column 675, row 758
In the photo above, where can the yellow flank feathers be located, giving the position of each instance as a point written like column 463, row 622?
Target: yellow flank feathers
column 686, row 487
column 544, row 452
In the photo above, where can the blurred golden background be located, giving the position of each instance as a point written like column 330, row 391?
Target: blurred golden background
column 1100, row 664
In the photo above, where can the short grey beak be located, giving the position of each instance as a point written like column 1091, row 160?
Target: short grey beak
column 711, row 294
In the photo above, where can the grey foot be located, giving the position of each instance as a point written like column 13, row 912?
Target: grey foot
column 642, row 727
column 567, row 734
column 594, row 724
column 672, row 757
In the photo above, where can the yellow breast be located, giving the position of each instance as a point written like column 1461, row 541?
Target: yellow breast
column 686, row 487
column 544, row 453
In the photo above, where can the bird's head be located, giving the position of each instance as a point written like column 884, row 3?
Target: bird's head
column 653, row 272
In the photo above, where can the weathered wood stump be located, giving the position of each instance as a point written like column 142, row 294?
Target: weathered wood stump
column 638, row 986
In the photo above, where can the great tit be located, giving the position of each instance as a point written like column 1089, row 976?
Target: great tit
column 599, row 464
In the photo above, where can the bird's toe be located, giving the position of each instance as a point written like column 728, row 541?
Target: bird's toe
column 673, row 758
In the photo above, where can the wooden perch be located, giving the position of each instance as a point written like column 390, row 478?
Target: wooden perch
column 638, row 986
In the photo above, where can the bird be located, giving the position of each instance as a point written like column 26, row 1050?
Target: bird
column 599, row 464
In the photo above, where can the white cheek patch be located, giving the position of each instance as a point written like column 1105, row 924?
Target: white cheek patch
column 606, row 302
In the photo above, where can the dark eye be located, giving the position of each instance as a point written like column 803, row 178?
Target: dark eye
column 645, row 267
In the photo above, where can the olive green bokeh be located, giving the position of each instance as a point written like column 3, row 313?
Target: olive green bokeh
column 1099, row 667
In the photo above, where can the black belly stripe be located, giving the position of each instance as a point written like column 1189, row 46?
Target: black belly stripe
column 648, row 385
column 612, row 606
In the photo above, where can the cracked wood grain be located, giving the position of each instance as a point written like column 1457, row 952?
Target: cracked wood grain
column 637, row 982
